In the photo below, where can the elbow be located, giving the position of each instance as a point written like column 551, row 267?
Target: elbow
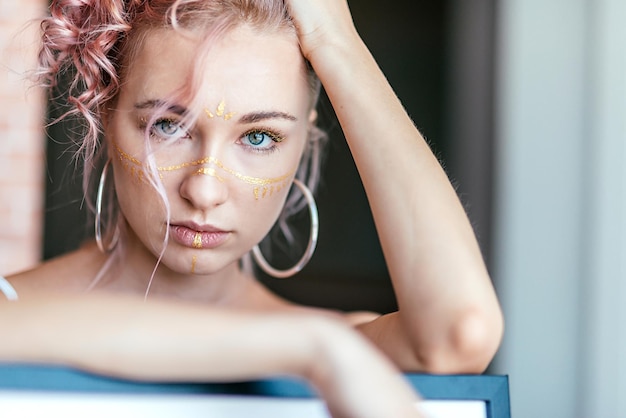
column 468, row 346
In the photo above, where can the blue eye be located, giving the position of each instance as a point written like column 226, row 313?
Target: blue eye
column 258, row 138
column 261, row 139
column 168, row 129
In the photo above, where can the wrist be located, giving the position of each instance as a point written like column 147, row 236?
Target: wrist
column 339, row 354
column 320, row 49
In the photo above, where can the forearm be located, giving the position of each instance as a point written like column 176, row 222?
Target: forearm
column 419, row 218
column 163, row 341
column 446, row 301
column 126, row 337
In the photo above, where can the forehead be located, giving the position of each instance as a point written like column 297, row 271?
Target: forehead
column 239, row 64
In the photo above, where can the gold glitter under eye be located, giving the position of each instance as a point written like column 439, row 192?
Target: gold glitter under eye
column 209, row 171
column 131, row 164
column 262, row 186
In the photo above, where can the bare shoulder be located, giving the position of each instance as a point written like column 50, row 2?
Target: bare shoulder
column 266, row 300
column 67, row 273
column 355, row 318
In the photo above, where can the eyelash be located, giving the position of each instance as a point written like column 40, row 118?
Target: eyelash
column 143, row 125
column 275, row 136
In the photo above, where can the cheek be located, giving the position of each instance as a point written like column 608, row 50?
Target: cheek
column 259, row 212
column 266, row 201
column 138, row 200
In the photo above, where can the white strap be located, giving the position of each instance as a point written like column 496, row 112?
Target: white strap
column 7, row 289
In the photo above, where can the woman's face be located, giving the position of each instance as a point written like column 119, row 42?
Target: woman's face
column 225, row 175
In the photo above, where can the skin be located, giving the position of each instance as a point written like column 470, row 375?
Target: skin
column 275, row 83
column 218, row 323
column 230, row 204
column 449, row 320
column 181, row 341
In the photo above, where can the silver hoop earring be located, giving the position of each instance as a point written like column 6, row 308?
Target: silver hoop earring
column 98, row 221
column 310, row 249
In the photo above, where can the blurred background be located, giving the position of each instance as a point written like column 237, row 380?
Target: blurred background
column 524, row 102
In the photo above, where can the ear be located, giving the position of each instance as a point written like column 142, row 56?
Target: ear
column 313, row 116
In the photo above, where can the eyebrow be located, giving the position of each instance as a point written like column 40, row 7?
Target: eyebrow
column 259, row 116
column 251, row 117
column 154, row 104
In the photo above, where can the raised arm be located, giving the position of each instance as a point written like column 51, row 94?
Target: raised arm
column 449, row 319
column 163, row 341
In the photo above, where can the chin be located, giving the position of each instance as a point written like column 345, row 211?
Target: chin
column 192, row 265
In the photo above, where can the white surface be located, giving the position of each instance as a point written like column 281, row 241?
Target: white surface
column 454, row 409
column 31, row 405
column 22, row 404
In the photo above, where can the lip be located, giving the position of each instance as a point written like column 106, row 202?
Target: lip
column 198, row 236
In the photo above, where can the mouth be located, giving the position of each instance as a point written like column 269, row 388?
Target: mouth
column 200, row 237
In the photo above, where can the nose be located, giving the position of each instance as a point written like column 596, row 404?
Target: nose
column 204, row 188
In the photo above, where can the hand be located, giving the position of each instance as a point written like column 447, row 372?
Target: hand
column 321, row 23
column 354, row 378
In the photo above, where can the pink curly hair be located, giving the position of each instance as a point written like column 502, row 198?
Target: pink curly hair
column 92, row 41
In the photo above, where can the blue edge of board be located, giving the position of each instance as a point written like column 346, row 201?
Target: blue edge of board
column 492, row 389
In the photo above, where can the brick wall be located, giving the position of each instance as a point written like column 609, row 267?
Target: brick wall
column 22, row 145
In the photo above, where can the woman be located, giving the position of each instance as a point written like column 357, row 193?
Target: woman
column 208, row 115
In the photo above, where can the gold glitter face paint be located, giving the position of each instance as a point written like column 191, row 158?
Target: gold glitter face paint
column 220, row 112
column 263, row 186
column 209, row 171
column 132, row 165
column 194, row 259
column 197, row 241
